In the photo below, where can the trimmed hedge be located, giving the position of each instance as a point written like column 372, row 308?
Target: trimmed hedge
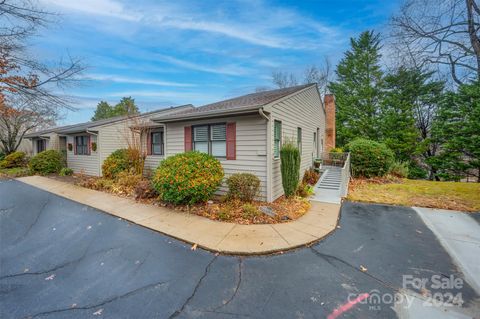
column 290, row 167
column 243, row 186
column 46, row 162
column 188, row 178
column 15, row 159
column 369, row 158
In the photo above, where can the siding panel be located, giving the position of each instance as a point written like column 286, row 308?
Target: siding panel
column 302, row 110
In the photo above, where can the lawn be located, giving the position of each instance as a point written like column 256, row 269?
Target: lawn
column 444, row 195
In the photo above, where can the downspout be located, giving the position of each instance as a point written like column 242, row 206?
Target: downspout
column 269, row 155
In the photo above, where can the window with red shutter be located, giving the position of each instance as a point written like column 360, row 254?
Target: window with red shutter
column 231, row 141
column 188, row 138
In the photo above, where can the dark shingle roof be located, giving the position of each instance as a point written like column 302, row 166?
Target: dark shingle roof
column 82, row 127
column 247, row 101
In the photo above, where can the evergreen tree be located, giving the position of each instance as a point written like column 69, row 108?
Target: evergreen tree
column 410, row 101
column 103, row 111
column 358, row 89
column 457, row 128
column 126, row 106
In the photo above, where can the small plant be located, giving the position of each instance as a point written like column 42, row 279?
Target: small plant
column 47, row 162
column 310, row 176
column 305, row 190
column 250, row 211
column 243, row 186
column 336, row 150
column 65, row 171
column 15, row 159
column 290, row 167
column 126, row 182
column 399, row 169
column 94, row 146
column 369, row 158
column 2, row 156
column 188, row 178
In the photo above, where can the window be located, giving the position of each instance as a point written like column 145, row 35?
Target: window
column 277, row 138
column 81, row 145
column 41, row 145
column 211, row 139
column 299, row 139
column 157, row 143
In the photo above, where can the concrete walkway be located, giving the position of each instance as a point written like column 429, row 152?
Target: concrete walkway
column 222, row 237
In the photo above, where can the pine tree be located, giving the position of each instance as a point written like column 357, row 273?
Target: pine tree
column 126, row 106
column 358, row 89
column 103, row 111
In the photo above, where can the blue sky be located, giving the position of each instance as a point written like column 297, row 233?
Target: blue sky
column 165, row 53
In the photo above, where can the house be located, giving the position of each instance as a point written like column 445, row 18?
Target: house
column 246, row 133
column 87, row 145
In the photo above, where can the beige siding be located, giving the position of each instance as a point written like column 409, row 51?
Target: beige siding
column 51, row 144
column 85, row 164
column 302, row 110
column 251, row 142
column 151, row 161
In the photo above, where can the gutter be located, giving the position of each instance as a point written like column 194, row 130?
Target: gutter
column 90, row 132
column 260, row 111
column 212, row 114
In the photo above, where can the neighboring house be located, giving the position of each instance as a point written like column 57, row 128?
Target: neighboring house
column 88, row 144
column 246, row 133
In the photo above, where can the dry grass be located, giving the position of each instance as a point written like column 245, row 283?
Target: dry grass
column 443, row 195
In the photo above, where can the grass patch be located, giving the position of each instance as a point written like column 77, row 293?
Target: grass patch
column 406, row 192
column 14, row 172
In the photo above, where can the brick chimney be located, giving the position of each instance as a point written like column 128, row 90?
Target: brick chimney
column 329, row 122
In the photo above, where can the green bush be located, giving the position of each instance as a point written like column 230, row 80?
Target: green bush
column 188, row 178
column 305, row 190
column 46, row 162
column 416, row 172
column 65, row 171
column 15, row 159
column 122, row 160
column 243, row 186
column 399, row 169
column 2, row 156
column 290, row 167
column 369, row 158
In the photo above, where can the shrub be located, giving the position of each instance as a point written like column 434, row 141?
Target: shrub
column 290, row 167
column 305, row 190
column 369, row 158
column 399, row 169
column 46, row 162
column 336, row 150
column 120, row 161
column 416, row 172
column 15, row 159
column 310, row 176
column 65, row 171
column 126, row 182
column 188, row 178
column 250, row 211
column 2, row 156
column 243, row 186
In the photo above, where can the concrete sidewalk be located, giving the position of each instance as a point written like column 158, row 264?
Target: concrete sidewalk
column 222, row 237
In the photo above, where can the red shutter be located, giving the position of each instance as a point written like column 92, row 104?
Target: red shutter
column 75, row 145
column 231, row 141
column 89, row 143
column 188, row 138
column 149, row 143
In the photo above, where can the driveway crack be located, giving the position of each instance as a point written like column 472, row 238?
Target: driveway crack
column 197, row 286
column 239, row 282
column 35, row 221
column 110, row 300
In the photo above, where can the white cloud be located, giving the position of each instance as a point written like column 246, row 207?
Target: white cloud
column 224, row 69
column 123, row 79
column 110, row 8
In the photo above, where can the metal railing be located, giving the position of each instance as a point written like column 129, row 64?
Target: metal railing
column 345, row 176
column 333, row 159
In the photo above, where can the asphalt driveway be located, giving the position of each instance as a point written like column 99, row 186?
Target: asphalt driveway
column 61, row 259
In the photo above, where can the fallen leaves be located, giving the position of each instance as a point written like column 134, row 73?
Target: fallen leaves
column 194, row 247
column 363, row 268
column 98, row 312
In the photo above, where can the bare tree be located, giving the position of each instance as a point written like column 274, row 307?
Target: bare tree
column 440, row 33
column 28, row 97
column 322, row 75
